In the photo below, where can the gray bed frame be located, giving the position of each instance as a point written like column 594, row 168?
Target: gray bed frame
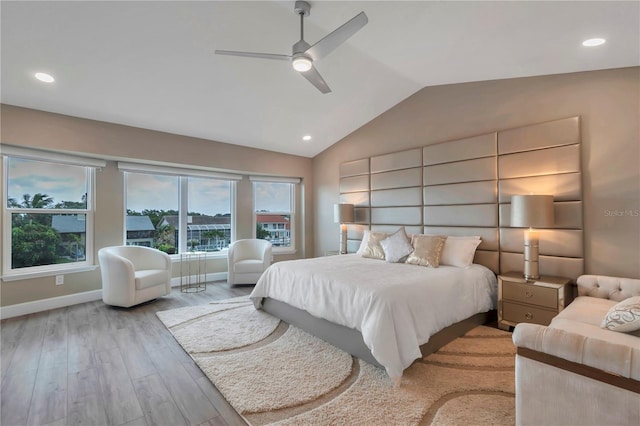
column 351, row 340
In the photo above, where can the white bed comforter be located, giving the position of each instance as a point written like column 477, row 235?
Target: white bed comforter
column 397, row 307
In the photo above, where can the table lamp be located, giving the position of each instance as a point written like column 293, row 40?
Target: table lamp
column 531, row 211
column 343, row 214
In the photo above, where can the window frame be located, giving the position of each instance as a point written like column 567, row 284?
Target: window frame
column 183, row 175
column 8, row 272
column 294, row 182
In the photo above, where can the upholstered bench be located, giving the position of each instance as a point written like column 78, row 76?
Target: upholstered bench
column 576, row 372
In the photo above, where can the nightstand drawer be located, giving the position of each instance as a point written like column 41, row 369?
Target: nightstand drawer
column 530, row 294
column 518, row 313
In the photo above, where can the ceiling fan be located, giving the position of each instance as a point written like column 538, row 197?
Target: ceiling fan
column 303, row 54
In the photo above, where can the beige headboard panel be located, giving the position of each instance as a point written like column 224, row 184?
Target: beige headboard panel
column 543, row 159
column 464, row 187
column 396, row 191
column 461, row 193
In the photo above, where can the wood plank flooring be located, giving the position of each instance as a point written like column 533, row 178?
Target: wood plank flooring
column 94, row 365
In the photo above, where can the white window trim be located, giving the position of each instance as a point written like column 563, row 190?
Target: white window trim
column 176, row 171
column 50, row 156
column 275, row 179
column 9, row 274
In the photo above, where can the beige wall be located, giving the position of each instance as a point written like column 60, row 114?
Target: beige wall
column 608, row 103
column 42, row 130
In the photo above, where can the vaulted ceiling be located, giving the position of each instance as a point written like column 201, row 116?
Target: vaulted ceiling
column 152, row 64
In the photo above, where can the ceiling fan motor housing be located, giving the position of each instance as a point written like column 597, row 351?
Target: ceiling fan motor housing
column 300, row 47
column 302, row 8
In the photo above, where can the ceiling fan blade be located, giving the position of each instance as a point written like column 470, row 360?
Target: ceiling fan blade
column 316, row 79
column 328, row 44
column 254, row 55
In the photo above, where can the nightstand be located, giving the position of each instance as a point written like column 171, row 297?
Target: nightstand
column 534, row 301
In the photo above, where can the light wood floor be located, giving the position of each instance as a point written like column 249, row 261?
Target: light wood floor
column 91, row 364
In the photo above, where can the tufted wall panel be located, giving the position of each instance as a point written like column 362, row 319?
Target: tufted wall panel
column 464, row 187
column 543, row 159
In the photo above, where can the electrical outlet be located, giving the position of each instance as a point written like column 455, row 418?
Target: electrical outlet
column 59, row 279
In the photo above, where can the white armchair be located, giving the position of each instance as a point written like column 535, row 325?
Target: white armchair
column 247, row 260
column 133, row 274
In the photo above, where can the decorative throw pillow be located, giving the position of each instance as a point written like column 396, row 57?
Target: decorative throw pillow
column 396, row 246
column 364, row 242
column 426, row 250
column 459, row 251
column 374, row 250
column 624, row 316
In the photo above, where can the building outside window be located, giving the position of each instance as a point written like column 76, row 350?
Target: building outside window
column 48, row 212
column 179, row 213
column 274, row 207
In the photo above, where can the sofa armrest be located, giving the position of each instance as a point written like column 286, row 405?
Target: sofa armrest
column 618, row 359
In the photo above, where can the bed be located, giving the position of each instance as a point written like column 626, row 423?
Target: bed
column 388, row 314
column 460, row 188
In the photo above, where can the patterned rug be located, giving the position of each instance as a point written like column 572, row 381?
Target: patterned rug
column 272, row 373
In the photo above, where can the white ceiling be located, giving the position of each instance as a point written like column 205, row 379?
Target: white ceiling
column 151, row 64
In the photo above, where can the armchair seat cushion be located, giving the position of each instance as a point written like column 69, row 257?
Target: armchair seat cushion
column 248, row 266
column 149, row 278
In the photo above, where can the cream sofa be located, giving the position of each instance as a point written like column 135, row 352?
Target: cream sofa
column 575, row 373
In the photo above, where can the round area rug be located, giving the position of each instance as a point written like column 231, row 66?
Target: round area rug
column 272, row 373
column 222, row 329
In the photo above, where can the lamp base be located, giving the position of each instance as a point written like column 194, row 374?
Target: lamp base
column 343, row 239
column 531, row 251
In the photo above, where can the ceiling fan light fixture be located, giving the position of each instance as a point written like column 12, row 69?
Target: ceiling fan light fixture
column 593, row 42
column 302, row 64
column 44, row 77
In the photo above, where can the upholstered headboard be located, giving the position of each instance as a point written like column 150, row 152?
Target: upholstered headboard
column 464, row 187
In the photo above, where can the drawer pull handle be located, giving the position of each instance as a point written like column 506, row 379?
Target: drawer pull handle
column 528, row 294
column 528, row 315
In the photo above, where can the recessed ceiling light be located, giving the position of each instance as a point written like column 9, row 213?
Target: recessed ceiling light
column 306, row 138
column 593, row 42
column 43, row 76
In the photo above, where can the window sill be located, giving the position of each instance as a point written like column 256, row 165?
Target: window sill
column 30, row 275
column 284, row 251
column 175, row 258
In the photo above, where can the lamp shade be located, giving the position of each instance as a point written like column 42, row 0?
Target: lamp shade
column 343, row 213
column 535, row 211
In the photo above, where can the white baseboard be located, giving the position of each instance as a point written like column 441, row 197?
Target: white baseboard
column 51, row 303
column 73, row 299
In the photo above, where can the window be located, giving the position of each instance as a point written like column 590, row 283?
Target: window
column 48, row 213
column 209, row 220
column 178, row 213
column 274, row 212
column 153, row 205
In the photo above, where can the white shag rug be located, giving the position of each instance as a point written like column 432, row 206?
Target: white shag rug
column 272, row 373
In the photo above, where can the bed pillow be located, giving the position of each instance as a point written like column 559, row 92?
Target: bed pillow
column 459, row 251
column 624, row 316
column 374, row 250
column 426, row 250
column 396, row 246
column 364, row 242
